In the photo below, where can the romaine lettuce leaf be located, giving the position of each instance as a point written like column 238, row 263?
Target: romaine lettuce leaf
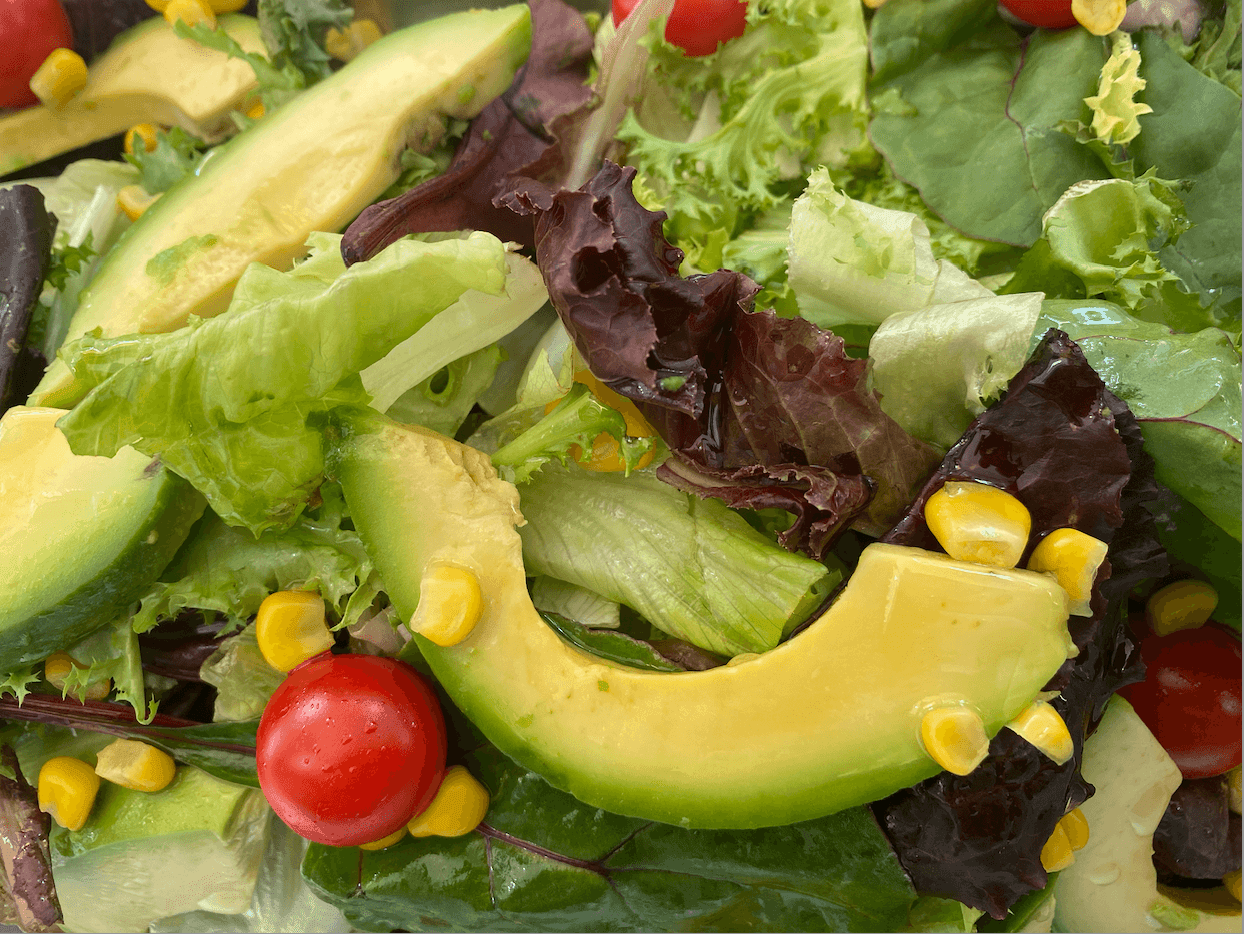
column 443, row 400
column 692, row 567
column 226, row 401
column 1184, row 390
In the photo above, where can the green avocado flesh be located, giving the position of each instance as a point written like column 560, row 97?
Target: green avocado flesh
column 313, row 164
column 142, row 856
column 148, row 75
column 80, row 537
column 827, row 720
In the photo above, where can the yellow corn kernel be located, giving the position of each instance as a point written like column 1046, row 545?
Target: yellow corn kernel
column 1076, row 826
column 1184, row 604
column 874, row 4
column 345, row 44
column 1057, row 853
column 141, row 133
column 255, row 110
column 59, row 78
column 57, row 667
column 290, row 628
column 450, row 604
column 1100, row 17
column 1233, row 789
column 133, row 200
column 978, row 522
column 191, row 12
column 67, row 790
column 1073, row 558
column 1232, row 881
column 385, row 842
column 1040, row 724
column 134, row 765
column 955, row 738
column 460, row 804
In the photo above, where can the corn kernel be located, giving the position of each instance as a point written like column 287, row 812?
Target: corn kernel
column 1057, row 853
column 1100, row 17
column 141, row 133
column 133, row 200
column 1233, row 790
column 67, row 790
column 134, row 765
column 977, row 522
column 955, row 738
column 255, row 110
column 1232, row 881
column 59, row 78
column 460, row 804
column 1184, row 604
column 385, row 842
column 1073, row 558
column 346, row 44
column 56, row 670
column 450, row 604
column 1040, row 724
column 1076, row 826
column 290, row 628
column 191, row 12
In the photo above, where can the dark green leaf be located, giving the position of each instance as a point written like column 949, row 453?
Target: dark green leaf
column 1021, row 913
column 225, row 750
column 544, row 862
column 905, row 33
column 991, row 103
column 614, row 646
column 294, row 31
column 1203, row 549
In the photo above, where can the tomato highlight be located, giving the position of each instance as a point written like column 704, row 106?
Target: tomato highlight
column 696, row 26
column 350, row 748
column 1190, row 698
column 29, row 31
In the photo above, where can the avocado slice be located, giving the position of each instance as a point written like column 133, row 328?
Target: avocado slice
column 312, row 165
column 197, row 844
column 148, row 75
column 80, row 537
column 1113, row 885
column 827, row 720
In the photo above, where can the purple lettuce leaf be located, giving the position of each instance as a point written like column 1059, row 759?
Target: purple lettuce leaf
column 1071, row 452
column 509, row 140
column 27, row 862
column 759, row 411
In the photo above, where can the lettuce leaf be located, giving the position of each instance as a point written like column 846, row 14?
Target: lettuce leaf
column 226, row 401
column 112, row 652
column 242, row 677
column 693, row 568
column 444, row 400
column 1184, row 389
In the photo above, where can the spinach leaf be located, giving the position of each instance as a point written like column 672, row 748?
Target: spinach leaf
column 542, row 861
column 614, row 646
column 988, row 98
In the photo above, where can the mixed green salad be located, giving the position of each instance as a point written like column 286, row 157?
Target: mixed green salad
column 713, row 332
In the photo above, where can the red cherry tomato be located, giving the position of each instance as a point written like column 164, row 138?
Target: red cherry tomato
column 350, row 747
column 1051, row 14
column 1190, row 698
column 696, row 26
column 29, row 30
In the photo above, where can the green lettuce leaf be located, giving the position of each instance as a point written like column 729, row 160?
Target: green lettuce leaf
column 543, row 862
column 112, row 652
column 1116, row 112
column 226, row 401
column 242, row 677
column 694, row 568
column 549, row 595
column 978, row 130
column 294, row 31
column 227, row 570
column 938, row 368
column 721, row 136
column 1184, row 389
column 443, row 400
column 176, row 155
column 1193, row 135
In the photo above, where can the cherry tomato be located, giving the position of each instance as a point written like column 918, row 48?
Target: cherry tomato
column 350, row 747
column 696, row 26
column 1051, row 14
column 29, row 30
column 1190, row 698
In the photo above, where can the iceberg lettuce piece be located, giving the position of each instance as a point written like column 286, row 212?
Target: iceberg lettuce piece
column 226, row 401
column 694, row 568
column 242, row 677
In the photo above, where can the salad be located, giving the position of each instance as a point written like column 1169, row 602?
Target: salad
column 693, row 465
